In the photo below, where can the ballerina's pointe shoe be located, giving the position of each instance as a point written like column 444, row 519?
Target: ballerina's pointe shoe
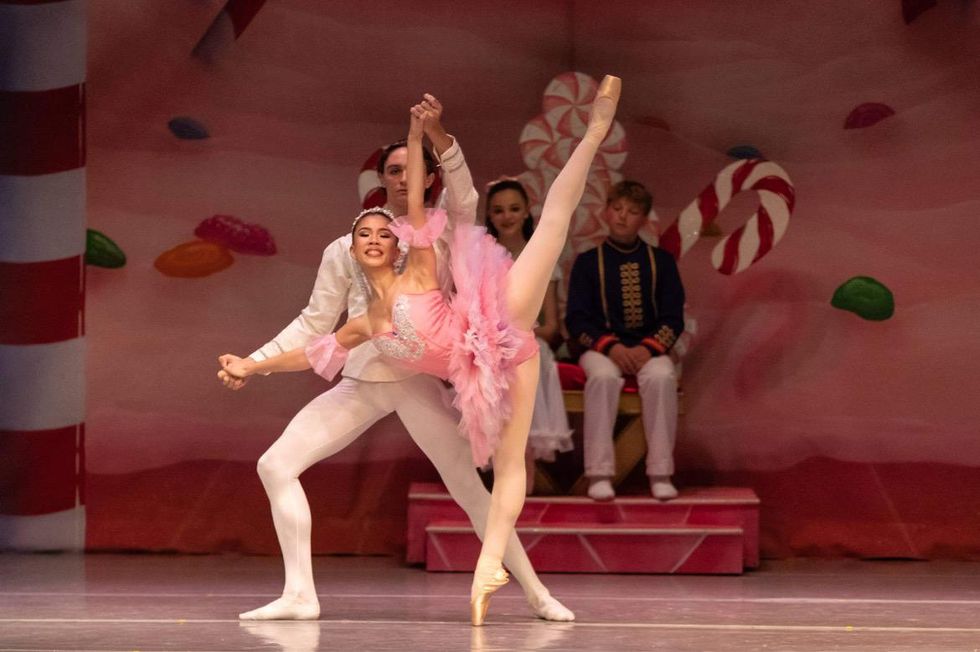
column 610, row 87
column 604, row 105
column 483, row 588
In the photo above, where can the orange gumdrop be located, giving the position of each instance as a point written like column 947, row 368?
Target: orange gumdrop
column 193, row 259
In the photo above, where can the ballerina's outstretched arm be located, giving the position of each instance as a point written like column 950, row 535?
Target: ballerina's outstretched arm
column 421, row 264
column 354, row 332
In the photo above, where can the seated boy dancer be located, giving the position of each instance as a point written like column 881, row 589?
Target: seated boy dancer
column 626, row 307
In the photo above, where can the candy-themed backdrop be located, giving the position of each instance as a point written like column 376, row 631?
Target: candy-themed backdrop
column 860, row 435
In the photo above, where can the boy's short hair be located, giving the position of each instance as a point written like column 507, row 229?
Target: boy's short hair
column 633, row 191
column 430, row 161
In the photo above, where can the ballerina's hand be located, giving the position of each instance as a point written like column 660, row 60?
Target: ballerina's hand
column 416, row 125
column 433, row 114
column 238, row 367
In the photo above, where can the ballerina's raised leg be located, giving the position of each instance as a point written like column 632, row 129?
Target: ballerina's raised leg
column 531, row 274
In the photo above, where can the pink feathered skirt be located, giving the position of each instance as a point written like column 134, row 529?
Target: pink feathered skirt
column 487, row 347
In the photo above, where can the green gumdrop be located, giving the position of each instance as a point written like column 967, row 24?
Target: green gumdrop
column 101, row 251
column 866, row 298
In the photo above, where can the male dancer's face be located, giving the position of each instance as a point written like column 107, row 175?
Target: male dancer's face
column 395, row 182
column 374, row 245
column 625, row 219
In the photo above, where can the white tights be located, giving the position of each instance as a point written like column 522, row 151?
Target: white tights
column 332, row 421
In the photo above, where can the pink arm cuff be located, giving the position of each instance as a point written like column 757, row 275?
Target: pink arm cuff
column 435, row 224
column 326, row 356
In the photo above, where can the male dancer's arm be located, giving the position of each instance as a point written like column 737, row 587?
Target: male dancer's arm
column 461, row 197
column 669, row 302
column 327, row 303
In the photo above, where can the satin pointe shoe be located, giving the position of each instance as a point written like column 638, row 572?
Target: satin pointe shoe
column 480, row 601
column 601, row 117
column 610, row 87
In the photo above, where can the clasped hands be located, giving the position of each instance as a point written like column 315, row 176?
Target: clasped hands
column 630, row 359
column 234, row 371
column 427, row 117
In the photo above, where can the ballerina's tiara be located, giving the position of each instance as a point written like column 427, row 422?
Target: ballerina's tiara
column 376, row 210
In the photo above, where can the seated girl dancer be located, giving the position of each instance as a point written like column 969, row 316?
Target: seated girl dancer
column 480, row 339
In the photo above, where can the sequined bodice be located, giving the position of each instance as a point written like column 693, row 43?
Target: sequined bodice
column 422, row 333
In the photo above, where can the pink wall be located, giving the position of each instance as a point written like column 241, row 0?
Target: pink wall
column 781, row 386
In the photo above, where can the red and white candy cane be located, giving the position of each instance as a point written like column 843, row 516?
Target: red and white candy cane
column 757, row 236
column 368, row 191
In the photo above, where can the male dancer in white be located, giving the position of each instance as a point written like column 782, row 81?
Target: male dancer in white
column 370, row 389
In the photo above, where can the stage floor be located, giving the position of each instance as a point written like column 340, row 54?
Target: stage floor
column 189, row 603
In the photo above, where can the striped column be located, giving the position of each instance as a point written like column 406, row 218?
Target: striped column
column 42, row 274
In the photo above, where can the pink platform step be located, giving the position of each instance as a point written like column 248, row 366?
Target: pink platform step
column 700, row 509
column 598, row 548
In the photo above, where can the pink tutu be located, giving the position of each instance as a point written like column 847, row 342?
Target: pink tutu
column 488, row 347
column 470, row 340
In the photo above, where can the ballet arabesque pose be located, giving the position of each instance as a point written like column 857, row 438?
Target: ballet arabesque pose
column 480, row 339
column 372, row 387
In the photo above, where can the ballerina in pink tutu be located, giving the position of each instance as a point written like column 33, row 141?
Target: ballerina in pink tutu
column 480, row 338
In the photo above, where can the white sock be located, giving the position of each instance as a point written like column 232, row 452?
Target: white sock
column 288, row 607
column 601, row 490
column 661, row 487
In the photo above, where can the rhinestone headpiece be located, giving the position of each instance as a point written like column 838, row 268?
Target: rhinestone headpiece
column 376, row 210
